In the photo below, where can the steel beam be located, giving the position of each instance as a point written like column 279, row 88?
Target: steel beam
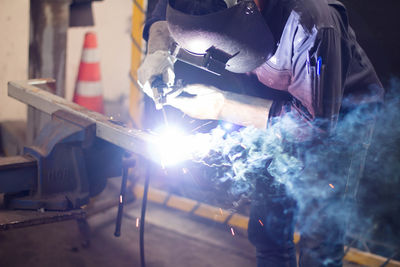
column 133, row 140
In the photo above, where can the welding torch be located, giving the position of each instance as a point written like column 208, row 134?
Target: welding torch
column 160, row 92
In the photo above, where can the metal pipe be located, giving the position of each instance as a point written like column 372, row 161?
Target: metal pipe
column 133, row 140
column 127, row 163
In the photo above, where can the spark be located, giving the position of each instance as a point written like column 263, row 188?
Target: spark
column 184, row 170
column 261, row 222
column 213, row 165
column 137, row 222
column 234, row 168
column 332, row 186
column 232, row 231
column 120, row 198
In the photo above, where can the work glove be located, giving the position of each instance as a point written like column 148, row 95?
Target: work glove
column 158, row 61
column 198, row 101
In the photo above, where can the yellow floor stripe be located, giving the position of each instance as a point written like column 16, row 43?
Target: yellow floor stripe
column 138, row 191
column 240, row 221
column 296, row 238
column 156, row 195
column 181, row 203
column 213, row 213
column 368, row 259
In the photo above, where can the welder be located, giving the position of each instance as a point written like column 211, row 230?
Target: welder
column 304, row 48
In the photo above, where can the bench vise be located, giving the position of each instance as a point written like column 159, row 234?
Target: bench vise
column 70, row 165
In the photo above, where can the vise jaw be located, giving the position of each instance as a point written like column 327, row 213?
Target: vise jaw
column 72, row 165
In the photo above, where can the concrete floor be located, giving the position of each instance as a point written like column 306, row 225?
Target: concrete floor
column 172, row 238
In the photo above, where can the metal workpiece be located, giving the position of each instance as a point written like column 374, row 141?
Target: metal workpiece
column 133, row 140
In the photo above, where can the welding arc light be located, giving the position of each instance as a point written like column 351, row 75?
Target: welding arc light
column 169, row 146
column 173, row 146
column 227, row 126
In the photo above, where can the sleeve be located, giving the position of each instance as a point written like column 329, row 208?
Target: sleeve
column 159, row 13
column 319, row 69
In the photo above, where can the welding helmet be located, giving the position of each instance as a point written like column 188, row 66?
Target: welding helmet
column 237, row 33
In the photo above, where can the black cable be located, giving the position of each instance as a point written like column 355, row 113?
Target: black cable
column 389, row 259
column 121, row 201
column 142, row 216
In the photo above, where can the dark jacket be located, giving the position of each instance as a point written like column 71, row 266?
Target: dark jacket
column 320, row 64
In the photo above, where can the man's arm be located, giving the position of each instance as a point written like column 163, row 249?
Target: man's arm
column 158, row 61
column 245, row 110
column 158, row 14
column 208, row 102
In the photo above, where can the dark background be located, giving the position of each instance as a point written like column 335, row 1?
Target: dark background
column 377, row 27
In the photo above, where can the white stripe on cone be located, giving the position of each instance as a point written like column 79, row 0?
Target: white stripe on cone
column 88, row 89
column 90, row 55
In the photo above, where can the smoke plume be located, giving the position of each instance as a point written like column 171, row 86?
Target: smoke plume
column 336, row 171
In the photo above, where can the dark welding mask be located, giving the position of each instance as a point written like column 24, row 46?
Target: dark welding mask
column 235, row 38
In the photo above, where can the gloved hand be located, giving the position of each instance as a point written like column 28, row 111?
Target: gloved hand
column 203, row 102
column 158, row 61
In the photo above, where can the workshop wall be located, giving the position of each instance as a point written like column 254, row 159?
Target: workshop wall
column 112, row 24
column 14, row 29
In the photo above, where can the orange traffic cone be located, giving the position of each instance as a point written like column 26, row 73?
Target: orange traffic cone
column 88, row 90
